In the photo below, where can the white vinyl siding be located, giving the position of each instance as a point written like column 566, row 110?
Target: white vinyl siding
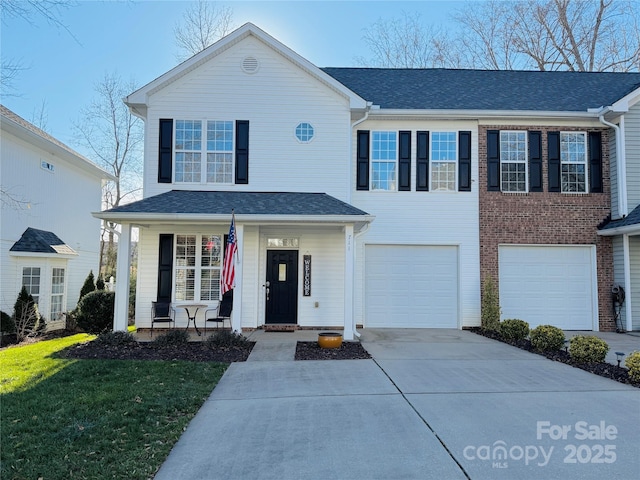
column 549, row 284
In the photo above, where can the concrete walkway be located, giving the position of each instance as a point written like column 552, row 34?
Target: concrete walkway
column 432, row 404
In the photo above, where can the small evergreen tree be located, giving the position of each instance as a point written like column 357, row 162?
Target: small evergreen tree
column 490, row 316
column 88, row 286
column 99, row 283
column 26, row 316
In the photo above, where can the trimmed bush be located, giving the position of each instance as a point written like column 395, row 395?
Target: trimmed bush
column 547, row 338
column 7, row 325
column 514, row 329
column 99, row 283
column 490, row 309
column 226, row 338
column 633, row 364
column 88, row 286
column 95, row 311
column 588, row 349
column 172, row 337
column 114, row 339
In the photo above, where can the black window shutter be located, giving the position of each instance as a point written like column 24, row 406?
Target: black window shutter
column 553, row 147
column 242, row 151
column 362, row 160
column 493, row 160
column 464, row 161
column 404, row 162
column 165, row 267
column 422, row 162
column 535, row 162
column 165, row 150
column 595, row 162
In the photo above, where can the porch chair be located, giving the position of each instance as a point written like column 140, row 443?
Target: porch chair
column 162, row 312
column 221, row 313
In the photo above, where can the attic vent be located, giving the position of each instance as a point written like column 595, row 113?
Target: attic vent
column 250, row 65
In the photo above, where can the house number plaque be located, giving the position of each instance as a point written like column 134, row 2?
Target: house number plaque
column 306, row 275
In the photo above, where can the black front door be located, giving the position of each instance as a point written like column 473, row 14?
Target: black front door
column 282, row 286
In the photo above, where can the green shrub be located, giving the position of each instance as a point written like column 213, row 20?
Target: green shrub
column 172, row 337
column 633, row 364
column 490, row 309
column 514, row 329
column 95, row 311
column 547, row 338
column 7, row 325
column 88, row 286
column 588, row 349
column 114, row 339
column 226, row 338
column 99, row 283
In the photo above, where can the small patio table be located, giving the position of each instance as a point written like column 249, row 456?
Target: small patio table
column 192, row 317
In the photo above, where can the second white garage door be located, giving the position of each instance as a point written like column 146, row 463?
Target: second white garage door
column 549, row 285
column 411, row 286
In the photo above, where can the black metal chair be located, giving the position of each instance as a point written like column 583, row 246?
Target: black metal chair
column 221, row 313
column 162, row 312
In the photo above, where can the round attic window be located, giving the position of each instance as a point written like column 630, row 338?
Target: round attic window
column 304, row 132
column 250, row 65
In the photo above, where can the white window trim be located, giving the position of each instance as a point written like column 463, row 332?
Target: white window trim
column 198, row 268
column 63, row 295
column 526, row 161
column 432, row 161
column 372, row 161
column 203, row 151
column 585, row 163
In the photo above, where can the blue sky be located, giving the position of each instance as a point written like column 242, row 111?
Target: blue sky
column 136, row 40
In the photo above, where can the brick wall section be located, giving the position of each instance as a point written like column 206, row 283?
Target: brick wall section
column 547, row 218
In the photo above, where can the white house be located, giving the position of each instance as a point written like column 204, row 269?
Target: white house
column 358, row 193
column 49, row 241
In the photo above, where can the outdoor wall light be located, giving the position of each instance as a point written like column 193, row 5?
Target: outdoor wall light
column 620, row 355
column 566, row 345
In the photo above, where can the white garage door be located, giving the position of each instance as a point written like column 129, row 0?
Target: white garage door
column 549, row 285
column 411, row 286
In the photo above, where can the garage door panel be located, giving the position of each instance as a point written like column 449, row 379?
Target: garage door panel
column 411, row 286
column 548, row 285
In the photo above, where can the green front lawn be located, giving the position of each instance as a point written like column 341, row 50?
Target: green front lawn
column 66, row 419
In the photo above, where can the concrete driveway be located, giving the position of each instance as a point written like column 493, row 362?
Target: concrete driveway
column 432, row 404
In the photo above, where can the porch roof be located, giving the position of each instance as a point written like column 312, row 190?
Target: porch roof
column 249, row 207
column 629, row 225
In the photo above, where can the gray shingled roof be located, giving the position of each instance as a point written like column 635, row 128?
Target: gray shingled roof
column 242, row 203
column 632, row 219
column 41, row 241
column 436, row 89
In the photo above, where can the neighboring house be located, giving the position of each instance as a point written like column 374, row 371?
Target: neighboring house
column 49, row 240
column 373, row 197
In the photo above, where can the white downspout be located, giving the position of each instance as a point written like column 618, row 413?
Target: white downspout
column 621, row 164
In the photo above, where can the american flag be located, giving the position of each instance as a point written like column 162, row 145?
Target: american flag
column 228, row 277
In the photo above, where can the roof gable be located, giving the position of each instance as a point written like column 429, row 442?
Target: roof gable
column 138, row 100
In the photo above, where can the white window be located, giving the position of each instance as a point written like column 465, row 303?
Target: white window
column 304, row 132
column 513, row 161
column 212, row 155
column 31, row 281
column 384, row 151
column 198, row 260
column 444, row 158
column 573, row 158
column 57, row 293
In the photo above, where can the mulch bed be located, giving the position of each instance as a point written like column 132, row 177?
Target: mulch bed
column 346, row 351
column 613, row 372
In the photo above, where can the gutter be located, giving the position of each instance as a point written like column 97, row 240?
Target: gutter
column 621, row 163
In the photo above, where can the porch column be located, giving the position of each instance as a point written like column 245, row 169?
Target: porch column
column 236, row 316
column 626, row 262
column 348, row 282
column 121, row 310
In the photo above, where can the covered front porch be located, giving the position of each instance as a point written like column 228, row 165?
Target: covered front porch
column 294, row 263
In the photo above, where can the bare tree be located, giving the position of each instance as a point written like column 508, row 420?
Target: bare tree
column 114, row 136
column 203, row 23
column 40, row 117
column 578, row 35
